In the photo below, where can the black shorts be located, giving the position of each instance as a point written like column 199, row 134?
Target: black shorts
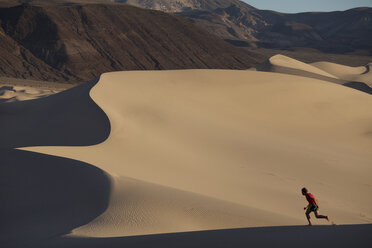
column 312, row 208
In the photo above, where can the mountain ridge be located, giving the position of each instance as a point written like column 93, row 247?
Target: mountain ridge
column 244, row 25
column 185, row 5
column 80, row 42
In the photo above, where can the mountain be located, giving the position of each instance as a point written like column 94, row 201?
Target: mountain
column 64, row 40
column 78, row 42
column 339, row 31
column 244, row 25
column 229, row 19
column 18, row 61
column 185, row 5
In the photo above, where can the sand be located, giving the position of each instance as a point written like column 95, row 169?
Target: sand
column 359, row 74
column 21, row 93
column 359, row 78
column 181, row 151
column 16, row 89
column 281, row 62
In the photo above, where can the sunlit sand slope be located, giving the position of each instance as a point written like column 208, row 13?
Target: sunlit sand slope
column 213, row 149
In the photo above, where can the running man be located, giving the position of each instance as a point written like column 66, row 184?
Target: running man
column 312, row 207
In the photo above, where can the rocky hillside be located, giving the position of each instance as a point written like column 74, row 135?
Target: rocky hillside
column 185, row 5
column 78, row 42
column 244, row 25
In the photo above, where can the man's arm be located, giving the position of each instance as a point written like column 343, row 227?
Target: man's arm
column 316, row 202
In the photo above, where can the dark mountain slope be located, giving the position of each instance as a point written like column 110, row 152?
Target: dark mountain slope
column 185, row 5
column 17, row 61
column 343, row 30
column 244, row 25
column 79, row 42
column 340, row 31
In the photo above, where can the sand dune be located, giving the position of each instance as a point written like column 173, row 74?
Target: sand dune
column 279, row 62
column 358, row 74
column 138, row 208
column 19, row 93
column 359, row 78
column 69, row 118
column 44, row 196
column 201, row 150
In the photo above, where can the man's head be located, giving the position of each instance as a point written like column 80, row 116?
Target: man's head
column 304, row 191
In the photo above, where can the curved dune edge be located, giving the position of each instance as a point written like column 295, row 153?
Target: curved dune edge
column 351, row 74
column 284, row 61
column 212, row 149
column 46, row 196
column 359, row 78
column 68, row 118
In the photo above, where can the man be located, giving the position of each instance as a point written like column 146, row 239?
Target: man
column 312, row 207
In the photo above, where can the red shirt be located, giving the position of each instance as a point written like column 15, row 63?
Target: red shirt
column 310, row 198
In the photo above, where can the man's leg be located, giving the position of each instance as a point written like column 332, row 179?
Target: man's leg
column 308, row 217
column 317, row 215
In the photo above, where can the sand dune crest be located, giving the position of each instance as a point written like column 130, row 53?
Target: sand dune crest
column 359, row 78
column 352, row 74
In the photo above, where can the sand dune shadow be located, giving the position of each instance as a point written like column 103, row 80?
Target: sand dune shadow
column 266, row 237
column 43, row 196
column 69, row 118
column 359, row 86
